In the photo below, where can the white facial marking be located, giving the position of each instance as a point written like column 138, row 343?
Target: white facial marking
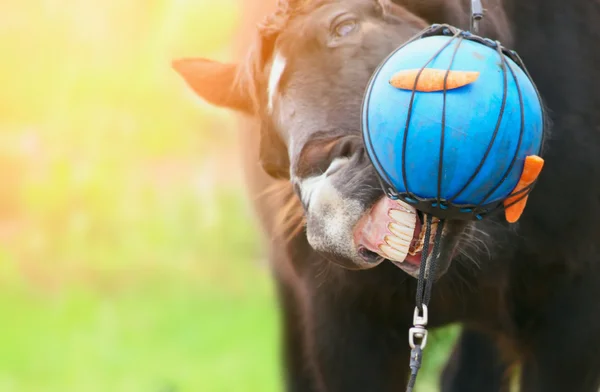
column 311, row 184
column 277, row 68
column 308, row 187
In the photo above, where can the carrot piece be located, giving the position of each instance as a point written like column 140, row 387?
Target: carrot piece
column 432, row 79
column 531, row 171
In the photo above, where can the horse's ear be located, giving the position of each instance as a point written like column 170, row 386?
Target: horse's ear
column 215, row 82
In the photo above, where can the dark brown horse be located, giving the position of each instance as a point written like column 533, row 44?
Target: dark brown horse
column 524, row 293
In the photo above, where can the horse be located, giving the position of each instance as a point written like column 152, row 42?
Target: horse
column 522, row 292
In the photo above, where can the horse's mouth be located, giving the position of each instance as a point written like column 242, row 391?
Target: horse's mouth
column 394, row 231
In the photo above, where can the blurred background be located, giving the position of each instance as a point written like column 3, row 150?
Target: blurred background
column 129, row 255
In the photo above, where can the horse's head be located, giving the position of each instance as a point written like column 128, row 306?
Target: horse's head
column 304, row 80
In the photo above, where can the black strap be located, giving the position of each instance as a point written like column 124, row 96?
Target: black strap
column 427, row 273
column 415, row 364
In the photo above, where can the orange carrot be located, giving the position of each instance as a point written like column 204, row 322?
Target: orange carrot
column 531, row 171
column 432, row 79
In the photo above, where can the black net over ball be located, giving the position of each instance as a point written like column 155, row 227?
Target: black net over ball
column 448, row 208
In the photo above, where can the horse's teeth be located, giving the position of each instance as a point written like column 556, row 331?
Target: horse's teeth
column 397, row 243
column 402, row 229
column 416, row 250
column 403, row 218
column 421, row 240
column 404, row 208
column 424, row 229
column 392, row 254
column 402, row 232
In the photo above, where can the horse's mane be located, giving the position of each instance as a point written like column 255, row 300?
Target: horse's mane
column 289, row 219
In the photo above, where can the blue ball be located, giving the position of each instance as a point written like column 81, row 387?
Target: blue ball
column 472, row 113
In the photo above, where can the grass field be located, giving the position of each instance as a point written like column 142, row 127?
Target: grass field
column 128, row 254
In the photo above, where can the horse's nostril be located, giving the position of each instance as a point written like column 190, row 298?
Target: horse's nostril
column 368, row 256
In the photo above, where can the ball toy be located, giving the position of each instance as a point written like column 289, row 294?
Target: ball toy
column 454, row 125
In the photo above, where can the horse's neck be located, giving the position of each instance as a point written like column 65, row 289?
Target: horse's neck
column 557, row 40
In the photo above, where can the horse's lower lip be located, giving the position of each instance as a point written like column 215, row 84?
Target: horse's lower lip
column 407, row 267
column 414, row 259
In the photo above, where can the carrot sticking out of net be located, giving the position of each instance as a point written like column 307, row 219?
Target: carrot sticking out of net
column 531, row 171
column 432, row 79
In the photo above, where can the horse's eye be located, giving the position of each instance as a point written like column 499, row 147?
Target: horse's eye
column 345, row 27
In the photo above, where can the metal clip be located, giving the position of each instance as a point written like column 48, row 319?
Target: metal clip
column 418, row 331
column 420, row 320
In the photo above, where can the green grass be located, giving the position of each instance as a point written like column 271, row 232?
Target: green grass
column 168, row 339
column 130, row 322
column 163, row 341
